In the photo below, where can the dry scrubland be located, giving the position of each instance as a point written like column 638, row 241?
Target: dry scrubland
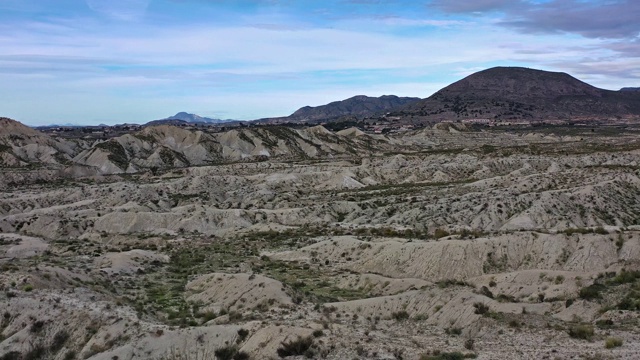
column 443, row 243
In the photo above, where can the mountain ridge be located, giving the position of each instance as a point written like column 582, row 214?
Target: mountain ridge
column 359, row 106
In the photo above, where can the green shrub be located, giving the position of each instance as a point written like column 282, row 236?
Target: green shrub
column 612, row 342
column 592, row 292
column 582, row 331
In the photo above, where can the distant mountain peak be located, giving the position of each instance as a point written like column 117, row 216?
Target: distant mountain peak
column 186, row 117
column 522, row 94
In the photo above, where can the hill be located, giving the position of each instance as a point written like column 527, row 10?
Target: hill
column 358, row 106
column 166, row 147
column 21, row 145
column 514, row 93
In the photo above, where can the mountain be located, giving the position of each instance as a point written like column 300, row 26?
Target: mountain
column 187, row 118
column 515, row 93
column 358, row 106
column 630, row 89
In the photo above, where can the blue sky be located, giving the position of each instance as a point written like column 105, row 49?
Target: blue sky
column 114, row 61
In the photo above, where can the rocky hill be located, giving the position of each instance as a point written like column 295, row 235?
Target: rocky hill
column 165, row 147
column 21, row 145
column 514, row 93
column 358, row 106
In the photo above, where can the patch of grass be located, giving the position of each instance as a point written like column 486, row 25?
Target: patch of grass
column 612, row 342
column 581, row 331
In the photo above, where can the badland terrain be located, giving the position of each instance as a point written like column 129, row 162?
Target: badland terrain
column 451, row 239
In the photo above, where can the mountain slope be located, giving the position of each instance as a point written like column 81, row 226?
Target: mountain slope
column 359, row 106
column 514, row 93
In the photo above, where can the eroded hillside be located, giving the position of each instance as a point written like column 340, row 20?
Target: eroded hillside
column 265, row 243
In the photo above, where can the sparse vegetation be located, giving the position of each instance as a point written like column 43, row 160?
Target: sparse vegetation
column 581, row 331
column 612, row 342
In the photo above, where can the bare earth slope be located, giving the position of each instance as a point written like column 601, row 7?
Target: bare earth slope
column 268, row 242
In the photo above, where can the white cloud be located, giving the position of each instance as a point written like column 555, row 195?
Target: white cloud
column 73, row 67
column 127, row 10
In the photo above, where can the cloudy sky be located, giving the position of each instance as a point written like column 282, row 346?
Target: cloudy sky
column 114, row 61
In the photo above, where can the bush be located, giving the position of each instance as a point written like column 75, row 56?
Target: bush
column 486, row 292
column 37, row 326
column 300, row 346
column 469, row 344
column 400, row 315
column 318, row 333
column 612, row 342
column 453, row 331
column 242, row 335
column 583, row 331
column 481, row 308
column 592, row 292
column 230, row 353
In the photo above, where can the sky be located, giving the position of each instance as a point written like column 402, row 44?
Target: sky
column 115, row 61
